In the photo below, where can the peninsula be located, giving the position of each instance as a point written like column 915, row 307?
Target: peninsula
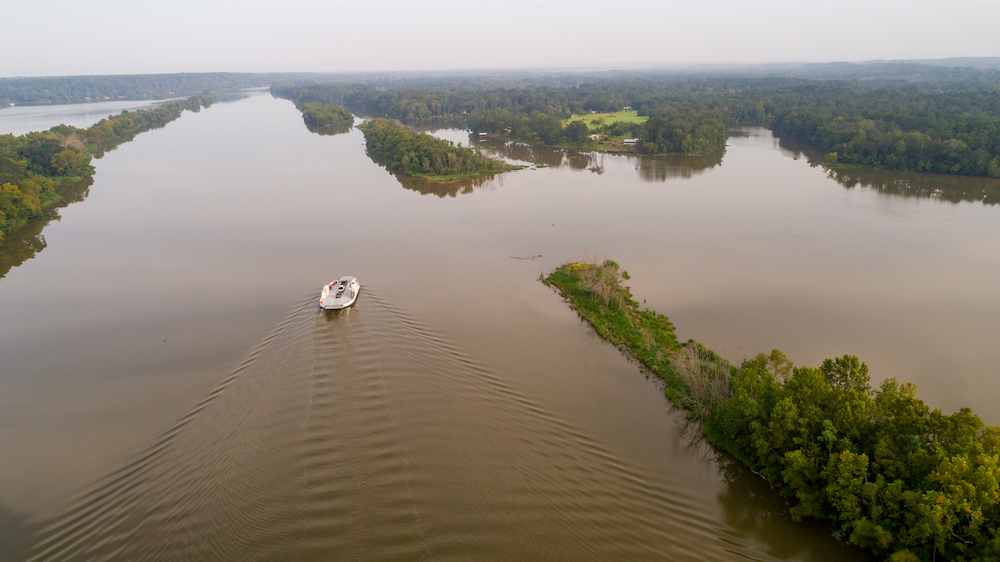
column 891, row 475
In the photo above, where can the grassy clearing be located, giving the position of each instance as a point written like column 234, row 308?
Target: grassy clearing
column 609, row 118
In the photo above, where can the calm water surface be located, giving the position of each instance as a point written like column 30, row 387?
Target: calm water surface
column 169, row 389
column 23, row 119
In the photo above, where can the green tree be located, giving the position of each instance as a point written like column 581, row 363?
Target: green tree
column 71, row 162
column 577, row 132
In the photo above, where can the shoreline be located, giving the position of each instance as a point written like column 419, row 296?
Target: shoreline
column 892, row 476
column 450, row 178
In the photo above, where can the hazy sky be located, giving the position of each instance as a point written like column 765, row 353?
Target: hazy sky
column 57, row 37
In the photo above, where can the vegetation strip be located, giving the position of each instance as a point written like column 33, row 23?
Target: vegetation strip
column 33, row 165
column 425, row 156
column 893, row 476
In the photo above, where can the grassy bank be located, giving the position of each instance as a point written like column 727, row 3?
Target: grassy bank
column 631, row 117
column 891, row 475
column 598, row 293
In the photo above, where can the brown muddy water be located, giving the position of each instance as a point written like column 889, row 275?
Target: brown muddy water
column 169, row 389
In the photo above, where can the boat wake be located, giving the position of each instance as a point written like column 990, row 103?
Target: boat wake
column 364, row 435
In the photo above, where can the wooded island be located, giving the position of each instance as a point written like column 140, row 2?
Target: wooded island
column 404, row 151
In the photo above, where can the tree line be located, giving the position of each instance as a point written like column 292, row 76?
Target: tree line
column 77, row 89
column 892, row 476
column 406, row 152
column 33, row 165
column 942, row 132
column 882, row 124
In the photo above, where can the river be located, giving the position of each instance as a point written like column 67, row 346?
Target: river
column 170, row 390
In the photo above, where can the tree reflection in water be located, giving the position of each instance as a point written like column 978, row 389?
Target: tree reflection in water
column 944, row 187
column 664, row 167
column 520, row 152
column 750, row 505
column 451, row 188
column 21, row 244
column 651, row 168
column 912, row 184
column 330, row 130
column 672, row 166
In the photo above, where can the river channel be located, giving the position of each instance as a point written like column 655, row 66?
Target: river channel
column 170, row 390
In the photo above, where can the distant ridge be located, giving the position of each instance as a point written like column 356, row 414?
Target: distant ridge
column 936, row 74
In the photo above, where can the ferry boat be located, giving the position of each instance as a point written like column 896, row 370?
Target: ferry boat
column 339, row 294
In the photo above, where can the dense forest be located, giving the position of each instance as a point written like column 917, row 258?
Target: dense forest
column 894, row 476
column 33, row 165
column 943, row 132
column 885, row 124
column 903, row 481
column 421, row 155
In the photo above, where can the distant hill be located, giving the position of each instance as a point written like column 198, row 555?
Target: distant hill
column 978, row 62
column 79, row 89
column 910, row 71
column 951, row 73
column 956, row 73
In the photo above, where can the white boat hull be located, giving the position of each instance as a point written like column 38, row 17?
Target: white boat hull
column 339, row 294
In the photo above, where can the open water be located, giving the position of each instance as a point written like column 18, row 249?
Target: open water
column 170, row 390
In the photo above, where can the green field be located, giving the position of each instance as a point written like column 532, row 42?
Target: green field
column 609, row 118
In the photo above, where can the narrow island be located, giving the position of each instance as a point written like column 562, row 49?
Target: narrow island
column 35, row 166
column 424, row 156
column 892, row 476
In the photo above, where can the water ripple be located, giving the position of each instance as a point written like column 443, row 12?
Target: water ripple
column 362, row 434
